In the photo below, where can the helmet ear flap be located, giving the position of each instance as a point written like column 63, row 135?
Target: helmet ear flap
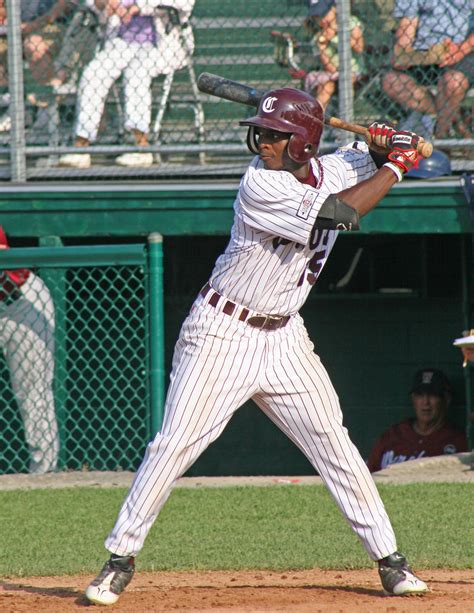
column 299, row 150
column 252, row 140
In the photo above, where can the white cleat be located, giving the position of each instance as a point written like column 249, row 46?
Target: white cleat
column 398, row 578
column 409, row 585
column 111, row 581
column 97, row 595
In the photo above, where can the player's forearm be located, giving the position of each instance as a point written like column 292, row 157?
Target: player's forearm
column 365, row 196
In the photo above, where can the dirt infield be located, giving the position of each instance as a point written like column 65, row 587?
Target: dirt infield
column 245, row 592
column 309, row 591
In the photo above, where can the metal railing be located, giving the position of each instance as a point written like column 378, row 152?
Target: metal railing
column 199, row 134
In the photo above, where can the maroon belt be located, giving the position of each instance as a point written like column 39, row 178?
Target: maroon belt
column 264, row 322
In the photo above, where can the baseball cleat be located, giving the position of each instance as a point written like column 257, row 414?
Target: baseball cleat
column 398, row 578
column 112, row 580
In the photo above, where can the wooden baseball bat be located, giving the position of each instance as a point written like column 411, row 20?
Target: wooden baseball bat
column 234, row 91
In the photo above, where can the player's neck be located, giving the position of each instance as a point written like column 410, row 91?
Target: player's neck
column 304, row 173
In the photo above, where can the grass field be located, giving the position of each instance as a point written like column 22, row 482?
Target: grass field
column 55, row 532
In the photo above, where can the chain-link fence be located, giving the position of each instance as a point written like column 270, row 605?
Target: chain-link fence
column 77, row 373
column 109, row 88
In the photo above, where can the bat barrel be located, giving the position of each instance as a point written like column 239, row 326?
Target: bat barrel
column 234, row 91
column 229, row 90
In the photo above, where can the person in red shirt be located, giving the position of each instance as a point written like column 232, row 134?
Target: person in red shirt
column 428, row 433
column 27, row 323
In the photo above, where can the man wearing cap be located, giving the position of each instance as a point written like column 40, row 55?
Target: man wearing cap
column 427, row 434
column 466, row 345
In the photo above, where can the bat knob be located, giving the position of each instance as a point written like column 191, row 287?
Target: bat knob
column 425, row 149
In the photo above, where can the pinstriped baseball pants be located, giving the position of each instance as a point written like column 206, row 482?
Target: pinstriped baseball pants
column 219, row 363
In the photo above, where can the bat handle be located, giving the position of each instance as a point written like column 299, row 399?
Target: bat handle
column 424, row 148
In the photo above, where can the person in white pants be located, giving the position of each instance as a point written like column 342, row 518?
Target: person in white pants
column 27, row 322
column 141, row 43
column 244, row 338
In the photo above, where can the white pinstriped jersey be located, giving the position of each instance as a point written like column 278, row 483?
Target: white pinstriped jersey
column 275, row 254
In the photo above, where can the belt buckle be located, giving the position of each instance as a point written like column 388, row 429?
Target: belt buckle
column 272, row 322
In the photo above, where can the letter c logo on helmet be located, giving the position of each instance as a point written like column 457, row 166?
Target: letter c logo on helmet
column 293, row 112
column 268, row 105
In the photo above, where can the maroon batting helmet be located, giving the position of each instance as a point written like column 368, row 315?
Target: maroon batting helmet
column 292, row 111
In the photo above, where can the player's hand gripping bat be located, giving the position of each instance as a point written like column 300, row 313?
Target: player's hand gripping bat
column 239, row 92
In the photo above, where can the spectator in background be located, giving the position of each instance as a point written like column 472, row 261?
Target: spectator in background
column 466, row 345
column 142, row 43
column 322, row 24
column 27, row 323
column 42, row 27
column 425, row 435
column 433, row 49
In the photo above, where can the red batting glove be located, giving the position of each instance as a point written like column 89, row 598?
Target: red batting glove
column 379, row 136
column 404, row 152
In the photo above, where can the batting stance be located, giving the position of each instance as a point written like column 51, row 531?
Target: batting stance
column 244, row 338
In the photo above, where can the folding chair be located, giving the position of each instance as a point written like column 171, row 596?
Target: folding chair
column 192, row 101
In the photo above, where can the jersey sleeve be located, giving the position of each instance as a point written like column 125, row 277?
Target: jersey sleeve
column 276, row 202
column 350, row 165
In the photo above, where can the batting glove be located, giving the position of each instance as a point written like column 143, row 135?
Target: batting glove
column 378, row 136
column 404, row 153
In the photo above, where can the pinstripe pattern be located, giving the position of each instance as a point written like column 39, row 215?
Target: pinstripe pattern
column 252, row 271
column 220, row 362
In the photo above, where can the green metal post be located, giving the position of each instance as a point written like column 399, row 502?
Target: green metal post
column 156, row 331
column 467, row 324
column 56, row 281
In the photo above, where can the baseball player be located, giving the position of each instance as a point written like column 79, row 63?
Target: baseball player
column 244, row 338
column 27, row 340
column 426, row 435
